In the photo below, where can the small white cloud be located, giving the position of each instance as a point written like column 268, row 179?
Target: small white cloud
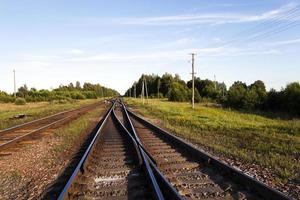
column 216, row 39
column 75, row 51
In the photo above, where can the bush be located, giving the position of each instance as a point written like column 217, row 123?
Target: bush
column 90, row 94
column 178, row 92
column 20, row 101
column 77, row 95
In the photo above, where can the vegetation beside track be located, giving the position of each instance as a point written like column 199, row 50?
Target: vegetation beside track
column 274, row 143
column 49, row 156
column 69, row 133
column 35, row 110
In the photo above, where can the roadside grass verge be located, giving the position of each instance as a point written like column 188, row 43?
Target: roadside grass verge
column 273, row 143
column 35, row 111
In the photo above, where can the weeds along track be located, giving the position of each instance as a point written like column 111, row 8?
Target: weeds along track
column 111, row 167
column 130, row 158
column 193, row 173
column 14, row 135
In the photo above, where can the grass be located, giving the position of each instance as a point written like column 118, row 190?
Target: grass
column 69, row 133
column 34, row 111
column 270, row 142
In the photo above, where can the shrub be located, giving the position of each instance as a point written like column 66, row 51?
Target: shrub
column 90, row 94
column 77, row 95
column 20, row 101
column 178, row 92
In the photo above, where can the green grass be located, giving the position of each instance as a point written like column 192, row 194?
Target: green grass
column 69, row 133
column 34, row 111
column 274, row 143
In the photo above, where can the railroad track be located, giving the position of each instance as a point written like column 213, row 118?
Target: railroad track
column 113, row 166
column 193, row 173
column 130, row 158
column 19, row 133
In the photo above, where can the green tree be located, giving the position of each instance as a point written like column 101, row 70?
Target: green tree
column 236, row 94
column 178, row 92
column 22, row 91
column 78, row 86
column 291, row 95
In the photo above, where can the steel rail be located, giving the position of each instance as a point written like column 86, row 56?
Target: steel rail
column 35, row 131
column 157, row 192
column 168, row 189
column 17, row 139
column 132, row 130
column 254, row 185
column 43, row 118
column 80, row 165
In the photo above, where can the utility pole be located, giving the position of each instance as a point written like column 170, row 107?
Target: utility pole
column 158, row 85
column 142, row 92
column 146, row 88
column 193, row 80
column 15, row 83
column 223, row 89
column 215, row 82
column 134, row 90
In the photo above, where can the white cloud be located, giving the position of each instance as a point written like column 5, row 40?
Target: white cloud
column 75, row 51
column 215, row 18
column 150, row 56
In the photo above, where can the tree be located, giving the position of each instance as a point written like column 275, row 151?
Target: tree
column 178, row 92
column 291, row 95
column 274, row 100
column 236, row 94
column 22, row 91
column 166, row 81
column 206, row 88
column 78, row 86
column 260, row 89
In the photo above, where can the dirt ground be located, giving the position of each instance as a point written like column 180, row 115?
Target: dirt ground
column 25, row 173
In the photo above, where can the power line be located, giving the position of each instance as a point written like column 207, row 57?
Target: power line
column 277, row 23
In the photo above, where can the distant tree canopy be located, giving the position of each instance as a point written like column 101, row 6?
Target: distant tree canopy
column 63, row 92
column 239, row 95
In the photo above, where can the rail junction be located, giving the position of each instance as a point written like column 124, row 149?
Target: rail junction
column 130, row 158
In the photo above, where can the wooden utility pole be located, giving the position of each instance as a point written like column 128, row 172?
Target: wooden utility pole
column 193, row 80
column 15, row 93
column 146, row 89
column 215, row 82
column 134, row 90
column 158, row 85
column 142, row 92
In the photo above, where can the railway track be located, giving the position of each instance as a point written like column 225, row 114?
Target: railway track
column 130, row 158
column 19, row 133
column 193, row 173
column 112, row 167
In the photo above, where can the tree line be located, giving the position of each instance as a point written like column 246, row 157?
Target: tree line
column 239, row 95
column 62, row 93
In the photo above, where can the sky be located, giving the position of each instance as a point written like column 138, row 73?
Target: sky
column 53, row 42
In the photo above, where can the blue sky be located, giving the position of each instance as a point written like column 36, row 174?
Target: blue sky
column 114, row 42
